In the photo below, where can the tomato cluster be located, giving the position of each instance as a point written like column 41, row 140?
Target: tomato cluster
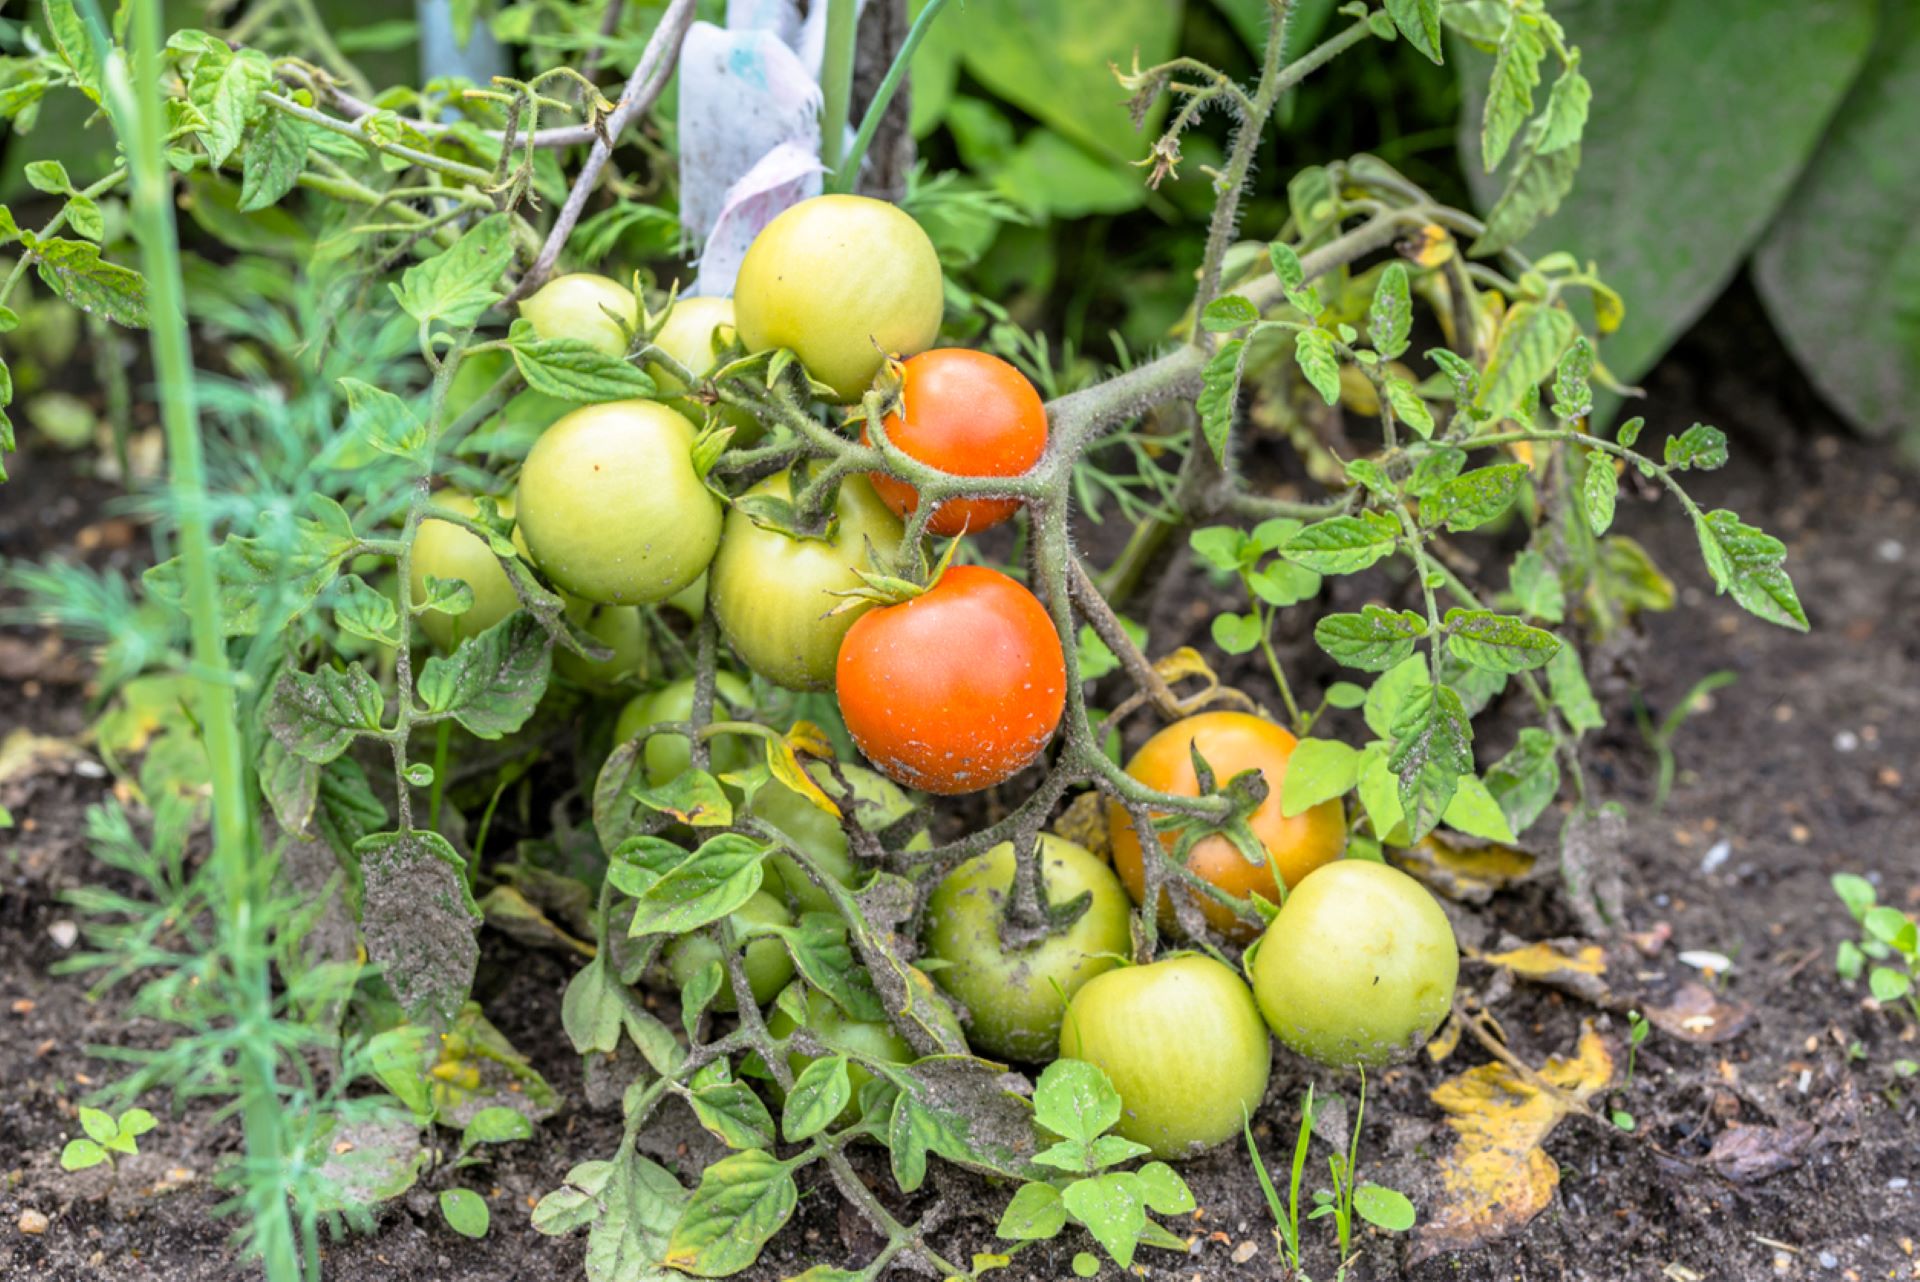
column 947, row 687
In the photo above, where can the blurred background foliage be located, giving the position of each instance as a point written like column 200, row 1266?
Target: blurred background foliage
column 1780, row 141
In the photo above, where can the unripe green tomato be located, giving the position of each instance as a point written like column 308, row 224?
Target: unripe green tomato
column 1359, row 967
column 525, row 415
column 1014, row 996
column 618, row 627
column 841, row 1032
column 688, row 336
column 819, row 833
column 584, row 306
column 692, row 599
column 445, row 551
column 611, row 507
column 1182, row 1042
column 768, row 964
column 668, row 755
column 841, row 280
column 774, row 595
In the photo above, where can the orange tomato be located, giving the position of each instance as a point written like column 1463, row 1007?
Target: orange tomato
column 970, row 414
column 1231, row 742
column 957, row 689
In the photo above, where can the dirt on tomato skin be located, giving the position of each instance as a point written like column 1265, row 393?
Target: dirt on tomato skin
column 1782, row 1152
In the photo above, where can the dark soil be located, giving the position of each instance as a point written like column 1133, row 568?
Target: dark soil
column 1808, row 765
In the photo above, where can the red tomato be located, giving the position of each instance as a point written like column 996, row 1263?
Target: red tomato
column 1231, row 742
column 957, row 689
column 970, row 414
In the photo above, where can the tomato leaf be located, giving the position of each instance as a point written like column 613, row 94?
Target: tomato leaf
column 1319, row 770
column 318, row 715
column 458, row 285
column 492, row 682
column 418, row 918
column 821, row 1093
column 1747, row 562
column 1498, row 642
column 1372, row 640
column 1390, row 316
column 1219, row 393
column 1035, row 1213
column 742, row 1201
column 1342, row 544
column 702, row 887
column 1475, row 498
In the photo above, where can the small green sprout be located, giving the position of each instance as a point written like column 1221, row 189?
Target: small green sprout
column 106, row 1137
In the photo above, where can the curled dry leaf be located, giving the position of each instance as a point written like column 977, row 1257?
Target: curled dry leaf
column 1567, row 964
column 1497, row 1179
column 1085, row 823
column 1748, row 1154
column 1465, row 868
column 1698, row 1014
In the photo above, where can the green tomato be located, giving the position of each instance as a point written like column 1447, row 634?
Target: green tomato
column 612, row 508
column 667, row 755
column 692, row 599
column 841, row 280
column 618, row 627
column 841, row 1032
column 1182, row 1042
column 688, row 336
column 819, row 834
column 445, row 551
column 773, row 594
column 599, row 312
column 1014, row 996
column 1358, row 968
column 769, row 966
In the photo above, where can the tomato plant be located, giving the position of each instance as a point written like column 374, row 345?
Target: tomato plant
column 586, row 308
column 876, row 803
column 843, row 281
column 611, row 507
column 1359, row 966
column 452, row 556
column 667, row 755
column 956, row 689
column 768, row 966
column 773, row 590
column 1183, row 1043
column 969, row 413
column 1015, row 993
column 1229, row 743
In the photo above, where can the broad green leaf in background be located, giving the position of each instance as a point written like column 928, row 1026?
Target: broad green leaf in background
column 1839, row 271
column 1701, row 117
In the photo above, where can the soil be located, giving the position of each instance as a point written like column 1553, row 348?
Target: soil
column 1809, row 764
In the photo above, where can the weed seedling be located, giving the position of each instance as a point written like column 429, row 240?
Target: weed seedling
column 1888, row 950
column 108, row 1138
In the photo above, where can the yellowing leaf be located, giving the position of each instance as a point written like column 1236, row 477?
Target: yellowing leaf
column 783, row 758
column 1182, row 663
column 1431, row 246
column 1084, row 823
column 1497, row 1179
column 1465, row 868
column 1574, row 967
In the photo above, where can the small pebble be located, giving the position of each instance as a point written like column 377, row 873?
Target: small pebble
column 1244, row 1252
column 1828, row 1260
column 33, row 1222
column 1846, row 741
column 1710, row 862
column 1890, row 550
column 1897, row 1183
column 65, row 934
column 1703, row 959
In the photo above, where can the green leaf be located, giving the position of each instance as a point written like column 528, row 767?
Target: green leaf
column 1390, row 316
column 1223, row 547
column 1887, row 984
column 1419, row 22
column 1567, row 681
column 135, row 1122
column 78, row 1155
column 570, row 370
column 1319, row 770
column 74, row 270
column 1697, row 129
column 1599, row 491
column 1572, row 389
column 1229, row 312
column 1748, row 563
column 1407, row 405
column 1345, row 694
column 386, row 422
column 1075, row 1101
column 1236, row 633
column 363, row 612
column 1892, row 927
column 702, row 887
column 1313, row 352
column 730, row 1110
column 1034, row 1214
column 272, row 163
column 1847, row 316
column 1630, row 432
column 417, row 919
column 1343, row 544
column 958, row 1107
column 492, row 682
column 459, row 284
column 1283, row 583
column 1849, row 961
column 318, row 715
column 1498, row 643
column 1516, row 70
column 1536, row 588
column 1532, row 338
column 1085, row 1264
column 1390, row 692
column 821, row 1093
column 99, row 1126
column 1220, row 393
column 1700, row 447
column 1372, row 640
column 497, row 1125
column 1292, row 275
column 1856, row 892
column 1474, row 498
column 642, row 1203
column 742, row 1201
column 1526, row 780
column 1432, row 749
column 1111, row 1208
column 590, row 1009
column 1164, row 1192
column 465, row 1212
column 1567, row 104
column 1384, row 1208
column 84, row 217
column 1475, row 812
column 73, row 46
column 693, row 797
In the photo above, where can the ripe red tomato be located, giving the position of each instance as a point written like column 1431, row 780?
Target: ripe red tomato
column 957, row 689
column 970, row 414
column 1231, row 742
